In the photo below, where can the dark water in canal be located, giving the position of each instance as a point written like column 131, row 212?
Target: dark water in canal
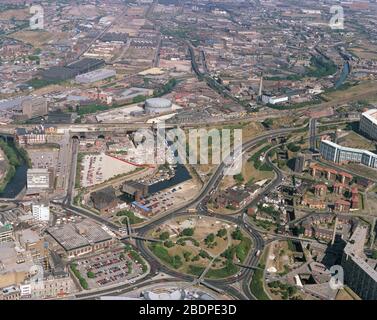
column 18, row 182
column 181, row 175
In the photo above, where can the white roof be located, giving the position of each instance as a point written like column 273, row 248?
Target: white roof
column 371, row 115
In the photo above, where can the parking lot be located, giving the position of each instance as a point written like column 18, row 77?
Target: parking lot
column 44, row 158
column 109, row 268
column 99, row 168
column 168, row 199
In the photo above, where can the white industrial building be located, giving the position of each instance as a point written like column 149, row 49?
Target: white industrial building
column 274, row 99
column 38, row 179
column 368, row 123
column 96, row 75
column 41, row 212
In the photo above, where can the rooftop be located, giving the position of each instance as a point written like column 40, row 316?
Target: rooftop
column 347, row 149
column 371, row 114
column 73, row 236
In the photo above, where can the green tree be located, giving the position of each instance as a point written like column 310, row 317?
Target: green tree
column 164, row 235
column 239, row 178
column 237, row 234
column 188, row 232
column 169, row 244
column 293, row 147
column 221, row 233
column 209, row 239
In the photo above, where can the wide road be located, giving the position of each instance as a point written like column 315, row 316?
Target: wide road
column 312, row 133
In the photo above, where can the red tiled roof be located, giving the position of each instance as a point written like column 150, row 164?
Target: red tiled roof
column 342, row 202
column 345, row 174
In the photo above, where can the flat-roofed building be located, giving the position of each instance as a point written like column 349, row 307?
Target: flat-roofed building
column 31, row 241
column 96, row 75
column 38, row 179
column 333, row 152
column 41, row 212
column 135, row 190
column 368, row 123
column 10, row 293
column 104, row 200
column 81, row 238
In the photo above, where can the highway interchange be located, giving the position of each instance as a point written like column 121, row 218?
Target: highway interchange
column 245, row 275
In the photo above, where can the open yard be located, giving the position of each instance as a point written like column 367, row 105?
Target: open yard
column 38, row 38
column 354, row 140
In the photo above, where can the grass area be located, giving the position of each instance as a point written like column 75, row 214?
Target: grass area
column 83, row 282
column 163, row 254
column 255, row 159
column 285, row 290
column 166, row 88
column 131, row 216
column 135, row 256
column 41, row 83
column 92, row 108
column 240, row 250
column 35, row 37
column 321, row 67
column 256, row 285
column 228, row 270
column 361, row 91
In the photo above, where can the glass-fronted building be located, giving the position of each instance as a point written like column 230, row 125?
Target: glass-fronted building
column 331, row 151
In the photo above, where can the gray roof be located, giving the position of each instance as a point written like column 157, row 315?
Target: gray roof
column 74, row 236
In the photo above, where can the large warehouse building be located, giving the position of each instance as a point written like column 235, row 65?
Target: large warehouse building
column 368, row 123
column 96, row 75
column 85, row 65
column 158, row 105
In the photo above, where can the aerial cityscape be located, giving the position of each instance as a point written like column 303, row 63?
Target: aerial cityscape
column 188, row 150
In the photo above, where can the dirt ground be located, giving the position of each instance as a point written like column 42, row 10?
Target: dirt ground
column 18, row 14
column 281, row 255
column 38, row 38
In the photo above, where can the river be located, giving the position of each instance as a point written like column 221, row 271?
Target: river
column 343, row 75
